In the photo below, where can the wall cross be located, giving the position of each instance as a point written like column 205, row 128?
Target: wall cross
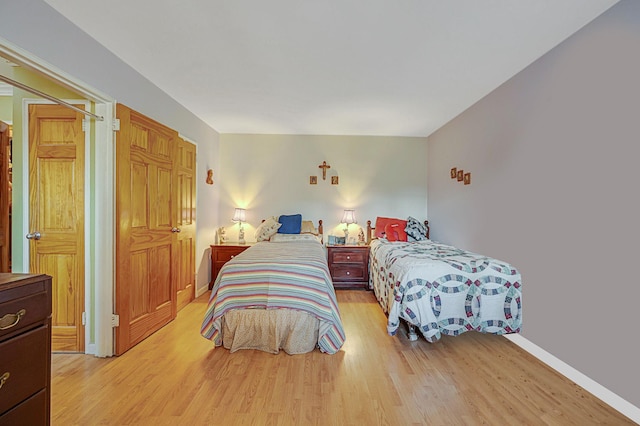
column 324, row 166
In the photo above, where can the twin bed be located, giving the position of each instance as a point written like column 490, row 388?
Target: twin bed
column 278, row 294
column 437, row 289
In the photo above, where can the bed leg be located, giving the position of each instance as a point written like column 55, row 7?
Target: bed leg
column 411, row 332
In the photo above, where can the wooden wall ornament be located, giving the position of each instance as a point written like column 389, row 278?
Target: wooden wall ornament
column 313, row 180
column 209, row 177
column 334, row 180
column 324, row 166
column 461, row 176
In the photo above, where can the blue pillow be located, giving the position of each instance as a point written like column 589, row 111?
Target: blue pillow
column 291, row 224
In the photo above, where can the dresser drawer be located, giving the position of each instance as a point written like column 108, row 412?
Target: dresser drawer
column 20, row 313
column 348, row 273
column 24, row 364
column 344, row 256
column 32, row 412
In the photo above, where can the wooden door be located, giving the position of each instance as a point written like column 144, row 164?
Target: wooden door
column 5, row 199
column 56, row 216
column 146, row 214
column 186, row 197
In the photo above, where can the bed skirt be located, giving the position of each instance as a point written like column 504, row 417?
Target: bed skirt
column 269, row 330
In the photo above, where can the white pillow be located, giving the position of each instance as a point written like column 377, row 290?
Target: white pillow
column 308, row 228
column 281, row 238
column 266, row 229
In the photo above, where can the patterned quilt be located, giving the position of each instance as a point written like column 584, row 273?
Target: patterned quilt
column 283, row 275
column 444, row 290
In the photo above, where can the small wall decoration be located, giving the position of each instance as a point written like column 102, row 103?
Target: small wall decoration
column 209, row 177
column 467, row 178
column 313, row 180
column 460, row 175
column 334, row 180
column 454, row 173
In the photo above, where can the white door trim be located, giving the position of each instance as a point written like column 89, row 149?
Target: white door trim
column 99, row 276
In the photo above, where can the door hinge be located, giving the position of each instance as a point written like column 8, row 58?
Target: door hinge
column 84, row 318
column 116, row 125
column 115, row 320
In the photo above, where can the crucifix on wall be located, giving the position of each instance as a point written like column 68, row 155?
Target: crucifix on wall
column 324, row 166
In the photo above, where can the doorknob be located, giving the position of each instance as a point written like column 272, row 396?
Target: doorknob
column 33, row 236
column 175, row 229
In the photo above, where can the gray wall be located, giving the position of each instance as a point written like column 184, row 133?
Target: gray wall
column 553, row 155
column 35, row 27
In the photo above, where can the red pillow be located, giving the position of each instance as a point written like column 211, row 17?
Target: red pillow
column 382, row 222
column 395, row 232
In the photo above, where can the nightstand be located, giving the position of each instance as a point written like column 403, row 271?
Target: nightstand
column 349, row 266
column 221, row 254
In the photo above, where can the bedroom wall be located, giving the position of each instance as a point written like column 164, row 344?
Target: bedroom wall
column 6, row 104
column 553, row 154
column 6, row 110
column 269, row 175
column 37, row 28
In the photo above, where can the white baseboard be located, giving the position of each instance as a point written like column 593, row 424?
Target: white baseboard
column 90, row 349
column 202, row 290
column 577, row 377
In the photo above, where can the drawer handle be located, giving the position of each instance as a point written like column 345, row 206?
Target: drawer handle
column 348, row 257
column 348, row 273
column 4, row 378
column 11, row 320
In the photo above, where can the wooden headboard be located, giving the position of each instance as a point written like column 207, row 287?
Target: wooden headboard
column 371, row 231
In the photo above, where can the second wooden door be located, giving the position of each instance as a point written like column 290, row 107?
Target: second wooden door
column 56, row 216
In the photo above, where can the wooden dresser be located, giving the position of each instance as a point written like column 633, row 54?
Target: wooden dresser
column 349, row 266
column 25, row 349
column 221, row 254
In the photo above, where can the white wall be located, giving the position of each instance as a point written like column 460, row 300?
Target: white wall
column 553, row 155
column 35, row 27
column 269, row 175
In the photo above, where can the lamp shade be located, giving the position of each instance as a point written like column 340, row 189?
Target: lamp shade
column 349, row 217
column 239, row 215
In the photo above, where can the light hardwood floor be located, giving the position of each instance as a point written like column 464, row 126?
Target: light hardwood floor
column 176, row 377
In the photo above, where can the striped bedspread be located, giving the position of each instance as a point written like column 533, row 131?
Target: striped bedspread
column 283, row 275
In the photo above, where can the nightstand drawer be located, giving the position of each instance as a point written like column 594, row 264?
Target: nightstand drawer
column 221, row 254
column 226, row 254
column 349, row 266
column 344, row 256
column 348, row 273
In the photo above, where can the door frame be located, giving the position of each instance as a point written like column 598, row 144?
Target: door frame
column 99, row 203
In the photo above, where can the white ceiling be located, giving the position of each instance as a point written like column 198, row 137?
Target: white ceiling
column 333, row 67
